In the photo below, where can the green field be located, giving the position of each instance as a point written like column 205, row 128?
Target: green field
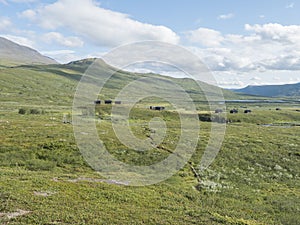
column 45, row 180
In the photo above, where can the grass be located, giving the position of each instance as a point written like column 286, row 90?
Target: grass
column 254, row 179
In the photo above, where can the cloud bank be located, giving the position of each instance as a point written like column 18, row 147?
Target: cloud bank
column 103, row 27
column 266, row 47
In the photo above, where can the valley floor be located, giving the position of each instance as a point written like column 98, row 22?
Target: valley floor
column 45, row 180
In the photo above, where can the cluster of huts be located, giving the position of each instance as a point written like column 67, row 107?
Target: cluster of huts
column 233, row 111
column 107, row 102
column 110, row 102
column 157, row 108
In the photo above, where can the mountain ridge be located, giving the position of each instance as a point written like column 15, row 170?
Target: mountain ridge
column 12, row 53
column 282, row 90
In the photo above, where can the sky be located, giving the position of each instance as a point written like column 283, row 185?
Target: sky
column 241, row 42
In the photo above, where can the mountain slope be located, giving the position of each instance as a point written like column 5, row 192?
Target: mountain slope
column 287, row 90
column 14, row 54
column 56, row 84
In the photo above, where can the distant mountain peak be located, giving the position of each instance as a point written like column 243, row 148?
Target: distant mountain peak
column 285, row 90
column 12, row 53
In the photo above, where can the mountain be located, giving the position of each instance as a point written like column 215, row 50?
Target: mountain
column 286, row 90
column 12, row 53
column 28, row 76
column 55, row 84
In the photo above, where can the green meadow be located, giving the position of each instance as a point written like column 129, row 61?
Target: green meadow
column 45, row 179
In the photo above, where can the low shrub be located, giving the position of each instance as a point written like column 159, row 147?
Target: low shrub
column 22, row 111
column 34, row 111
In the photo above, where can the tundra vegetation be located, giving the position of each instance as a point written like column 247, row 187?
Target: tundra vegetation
column 45, row 180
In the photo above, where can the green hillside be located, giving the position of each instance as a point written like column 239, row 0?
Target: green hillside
column 56, row 84
column 45, row 180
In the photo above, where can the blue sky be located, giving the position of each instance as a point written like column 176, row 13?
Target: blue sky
column 242, row 42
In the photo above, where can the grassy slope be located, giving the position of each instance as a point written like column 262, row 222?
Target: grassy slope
column 42, row 81
column 254, row 180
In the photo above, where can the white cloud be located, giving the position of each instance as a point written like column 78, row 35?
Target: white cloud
column 6, row 2
column 293, row 80
column 226, row 16
column 157, row 68
column 232, row 79
column 255, row 78
column 229, row 79
column 267, row 47
column 206, row 37
column 20, row 40
column 103, row 27
column 287, row 62
column 55, row 37
column 231, row 84
column 198, row 21
column 23, row 1
column 28, row 14
column 276, row 32
column 20, row 1
column 58, row 52
column 62, row 56
column 276, row 78
column 5, row 23
column 290, row 6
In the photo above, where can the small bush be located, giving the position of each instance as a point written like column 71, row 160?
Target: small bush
column 204, row 117
column 4, row 198
column 34, row 111
column 22, row 111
